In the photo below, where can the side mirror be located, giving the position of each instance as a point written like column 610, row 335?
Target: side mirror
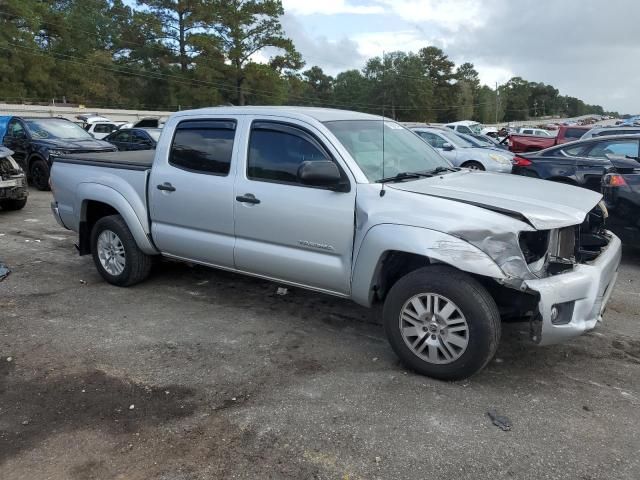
column 447, row 147
column 322, row 173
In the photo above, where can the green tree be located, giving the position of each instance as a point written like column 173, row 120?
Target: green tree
column 319, row 86
column 179, row 19
column 351, row 90
column 439, row 69
column 246, row 27
column 399, row 85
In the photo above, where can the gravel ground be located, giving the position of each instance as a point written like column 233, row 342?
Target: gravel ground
column 201, row 374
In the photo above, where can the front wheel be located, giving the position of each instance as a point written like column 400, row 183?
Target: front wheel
column 39, row 172
column 473, row 165
column 116, row 253
column 442, row 323
column 13, row 204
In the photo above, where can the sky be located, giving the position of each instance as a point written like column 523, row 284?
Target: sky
column 589, row 49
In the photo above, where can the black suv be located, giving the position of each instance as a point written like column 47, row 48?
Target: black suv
column 36, row 141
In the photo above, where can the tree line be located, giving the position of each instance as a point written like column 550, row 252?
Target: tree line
column 177, row 54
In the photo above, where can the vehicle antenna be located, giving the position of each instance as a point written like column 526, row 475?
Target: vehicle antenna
column 384, row 100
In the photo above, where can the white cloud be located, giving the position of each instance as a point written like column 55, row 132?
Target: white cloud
column 452, row 15
column 375, row 43
column 328, row 7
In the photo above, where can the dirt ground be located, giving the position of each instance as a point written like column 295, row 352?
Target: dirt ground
column 201, row 374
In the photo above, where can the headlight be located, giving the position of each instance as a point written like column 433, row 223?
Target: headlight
column 57, row 153
column 500, row 158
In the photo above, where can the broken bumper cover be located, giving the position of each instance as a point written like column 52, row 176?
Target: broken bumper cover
column 579, row 297
column 13, row 188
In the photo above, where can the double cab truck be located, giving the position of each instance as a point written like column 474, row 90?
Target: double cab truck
column 521, row 142
column 356, row 206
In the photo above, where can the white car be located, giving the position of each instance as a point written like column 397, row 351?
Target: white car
column 468, row 127
column 99, row 127
column 538, row 132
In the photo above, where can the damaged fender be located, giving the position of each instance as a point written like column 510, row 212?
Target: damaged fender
column 104, row 194
column 437, row 246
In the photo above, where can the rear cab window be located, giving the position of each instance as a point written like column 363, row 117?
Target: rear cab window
column 203, row 146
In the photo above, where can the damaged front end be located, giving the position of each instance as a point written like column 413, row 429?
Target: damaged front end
column 13, row 181
column 562, row 277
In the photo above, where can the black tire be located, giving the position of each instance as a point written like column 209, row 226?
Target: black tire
column 473, row 165
column 137, row 263
column 13, row 204
column 473, row 301
column 39, row 174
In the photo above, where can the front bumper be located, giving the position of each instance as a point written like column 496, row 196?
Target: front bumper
column 14, row 188
column 493, row 166
column 581, row 295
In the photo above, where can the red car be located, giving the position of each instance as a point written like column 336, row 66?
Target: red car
column 519, row 143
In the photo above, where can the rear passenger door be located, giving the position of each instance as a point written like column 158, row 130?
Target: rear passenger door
column 286, row 230
column 191, row 192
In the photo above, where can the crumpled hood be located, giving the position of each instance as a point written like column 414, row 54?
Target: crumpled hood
column 544, row 204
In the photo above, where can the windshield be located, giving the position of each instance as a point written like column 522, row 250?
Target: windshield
column 53, row 128
column 476, row 142
column 404, row 151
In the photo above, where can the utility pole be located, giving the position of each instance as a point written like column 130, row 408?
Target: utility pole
column 496, row 103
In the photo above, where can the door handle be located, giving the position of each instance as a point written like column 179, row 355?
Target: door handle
column 167, row 187
column 248, row 198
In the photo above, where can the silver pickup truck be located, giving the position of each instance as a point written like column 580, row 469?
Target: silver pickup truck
column 355, row 206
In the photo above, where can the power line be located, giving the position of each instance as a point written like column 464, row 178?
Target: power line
column 178, row 79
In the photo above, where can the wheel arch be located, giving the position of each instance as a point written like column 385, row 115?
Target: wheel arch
column 389, row 252
column 470, row 161
column 100, row 201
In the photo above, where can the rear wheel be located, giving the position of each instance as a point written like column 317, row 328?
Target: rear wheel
column 473, row 165
column 116, row 253
column 13, row 204
column 442, row 323
column 39, row 172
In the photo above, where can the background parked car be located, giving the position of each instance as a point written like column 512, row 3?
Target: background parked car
column 134, row 138
column 13, row 182
column 519, row 142
column 462, row 153
column 538, row 132
column 581, row 163
column 465, row 126
column 35, row 141
column 621, row 190
column 609, row 131
column 97, row 126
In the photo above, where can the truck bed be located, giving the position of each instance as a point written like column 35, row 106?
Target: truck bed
column 137, row 160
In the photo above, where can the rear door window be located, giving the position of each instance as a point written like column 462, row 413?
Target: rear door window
column 104, row 128
column 574, row 151
column 618, row 147
column 203, row 146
